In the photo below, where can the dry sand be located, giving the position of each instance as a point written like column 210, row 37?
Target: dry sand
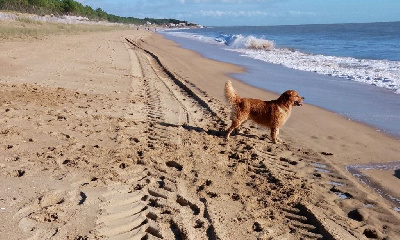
column 117, row 135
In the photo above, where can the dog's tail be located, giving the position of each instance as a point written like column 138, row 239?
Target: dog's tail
column 230, row 93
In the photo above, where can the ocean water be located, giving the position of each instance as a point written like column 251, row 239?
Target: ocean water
column 350, row 69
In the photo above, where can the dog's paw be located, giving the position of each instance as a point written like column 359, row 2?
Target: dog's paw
column 276, row 141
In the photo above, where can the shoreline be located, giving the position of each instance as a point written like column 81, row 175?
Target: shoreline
column 95, row 133
column 327, row 92
column 271, row 94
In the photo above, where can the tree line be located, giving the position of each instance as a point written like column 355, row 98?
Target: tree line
column 71, row 7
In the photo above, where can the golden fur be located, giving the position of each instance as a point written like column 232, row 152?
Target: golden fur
column 272, row 114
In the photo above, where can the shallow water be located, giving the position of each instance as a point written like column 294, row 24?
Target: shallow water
column 355, row 171
column 335, row 183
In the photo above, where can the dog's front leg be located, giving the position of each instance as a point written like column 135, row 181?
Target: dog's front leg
column 274, row 135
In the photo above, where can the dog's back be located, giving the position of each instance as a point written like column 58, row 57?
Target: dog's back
column 246, row 107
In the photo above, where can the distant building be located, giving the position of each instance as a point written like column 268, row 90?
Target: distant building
column 172, row 25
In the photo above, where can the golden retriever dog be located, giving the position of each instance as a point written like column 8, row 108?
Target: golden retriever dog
column 272, row 114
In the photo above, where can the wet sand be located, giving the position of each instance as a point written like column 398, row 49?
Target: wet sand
column 118, row 135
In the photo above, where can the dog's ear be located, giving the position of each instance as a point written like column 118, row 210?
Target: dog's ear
column 286, row 96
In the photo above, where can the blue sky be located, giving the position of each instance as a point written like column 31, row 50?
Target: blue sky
column 255, row 12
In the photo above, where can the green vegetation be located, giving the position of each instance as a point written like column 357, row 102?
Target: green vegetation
column 70, row 7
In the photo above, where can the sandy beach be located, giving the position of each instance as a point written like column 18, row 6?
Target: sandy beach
column 118, row 135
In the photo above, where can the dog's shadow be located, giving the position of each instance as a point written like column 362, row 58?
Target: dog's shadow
column 217, row 133
column 397, row 173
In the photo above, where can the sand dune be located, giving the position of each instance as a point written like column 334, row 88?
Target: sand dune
column 117, row 135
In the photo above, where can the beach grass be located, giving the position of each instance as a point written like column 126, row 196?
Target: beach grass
column 24, row 27
column 28, row 20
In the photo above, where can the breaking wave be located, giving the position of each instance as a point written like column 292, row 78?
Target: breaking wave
column 250, row 42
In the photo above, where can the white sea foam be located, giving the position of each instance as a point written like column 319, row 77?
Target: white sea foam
column 381, row 73
column 260, row 44
column 251, row 42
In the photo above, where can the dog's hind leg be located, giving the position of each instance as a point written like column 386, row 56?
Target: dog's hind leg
column 235, row 124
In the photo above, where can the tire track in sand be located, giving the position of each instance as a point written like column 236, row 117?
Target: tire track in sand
column 177, row 215
column 123, row 211
column 145, row 205
column 186, row 94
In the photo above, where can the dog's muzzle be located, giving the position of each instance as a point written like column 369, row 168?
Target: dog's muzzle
column 299, row 103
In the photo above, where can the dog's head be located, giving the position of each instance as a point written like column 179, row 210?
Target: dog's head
column 291, row 98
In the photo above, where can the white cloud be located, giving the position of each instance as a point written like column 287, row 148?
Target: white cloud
column 299, row 13
column 244, row 1
column 218, row 13
column 226, row 1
